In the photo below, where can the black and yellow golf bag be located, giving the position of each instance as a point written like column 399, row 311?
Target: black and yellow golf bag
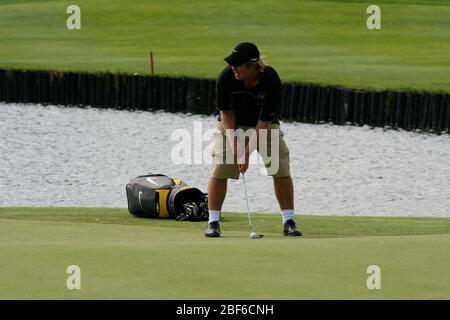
column 159, row 196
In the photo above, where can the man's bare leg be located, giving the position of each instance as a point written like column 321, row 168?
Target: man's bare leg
column 284, row 191
column 217, row 189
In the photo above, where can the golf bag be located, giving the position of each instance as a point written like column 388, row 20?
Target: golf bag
column 159, row 196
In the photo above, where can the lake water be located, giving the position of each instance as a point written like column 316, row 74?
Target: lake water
column 58, row 156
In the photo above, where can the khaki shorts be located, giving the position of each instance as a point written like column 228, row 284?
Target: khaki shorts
column 277, row 165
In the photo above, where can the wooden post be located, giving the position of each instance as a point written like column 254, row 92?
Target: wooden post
column 152, row 71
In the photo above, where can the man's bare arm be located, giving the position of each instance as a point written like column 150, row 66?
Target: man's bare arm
column 255, row 137
column 244, row 162
column 228, row 119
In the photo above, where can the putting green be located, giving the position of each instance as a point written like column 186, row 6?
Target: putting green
column 323, row 42
column 122, row 257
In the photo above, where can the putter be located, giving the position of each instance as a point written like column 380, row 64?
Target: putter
column 253, row 234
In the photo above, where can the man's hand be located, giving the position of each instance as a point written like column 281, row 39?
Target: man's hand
column 244, row 161
column 241, row 155
column 243, row 167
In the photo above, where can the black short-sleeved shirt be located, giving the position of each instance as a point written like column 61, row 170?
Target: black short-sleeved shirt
column 249, row 105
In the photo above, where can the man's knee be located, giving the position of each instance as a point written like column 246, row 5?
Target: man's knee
column 214, row 180
column 282, row 178
column 217, row 184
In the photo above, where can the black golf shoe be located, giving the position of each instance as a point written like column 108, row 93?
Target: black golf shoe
column 213, row 230
column 290, row 229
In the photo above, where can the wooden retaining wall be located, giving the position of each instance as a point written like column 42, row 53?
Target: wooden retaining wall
column 427, row 112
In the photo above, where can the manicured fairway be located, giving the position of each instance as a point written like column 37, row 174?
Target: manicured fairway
column 124, row 257
column 310, row 41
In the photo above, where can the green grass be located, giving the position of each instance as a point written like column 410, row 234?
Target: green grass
column 122, row 257
column 324, row 42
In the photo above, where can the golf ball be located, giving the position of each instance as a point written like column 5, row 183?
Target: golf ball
column 253, row 235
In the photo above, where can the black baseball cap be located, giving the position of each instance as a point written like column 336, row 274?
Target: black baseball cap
column 244, row 52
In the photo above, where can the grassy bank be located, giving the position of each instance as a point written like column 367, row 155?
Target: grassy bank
column 323, row 42
column 125, row 257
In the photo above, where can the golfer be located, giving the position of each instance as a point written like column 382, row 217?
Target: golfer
column 248, row 97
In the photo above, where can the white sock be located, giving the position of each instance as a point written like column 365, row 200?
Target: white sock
column 288, row 214
column 214, row 215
